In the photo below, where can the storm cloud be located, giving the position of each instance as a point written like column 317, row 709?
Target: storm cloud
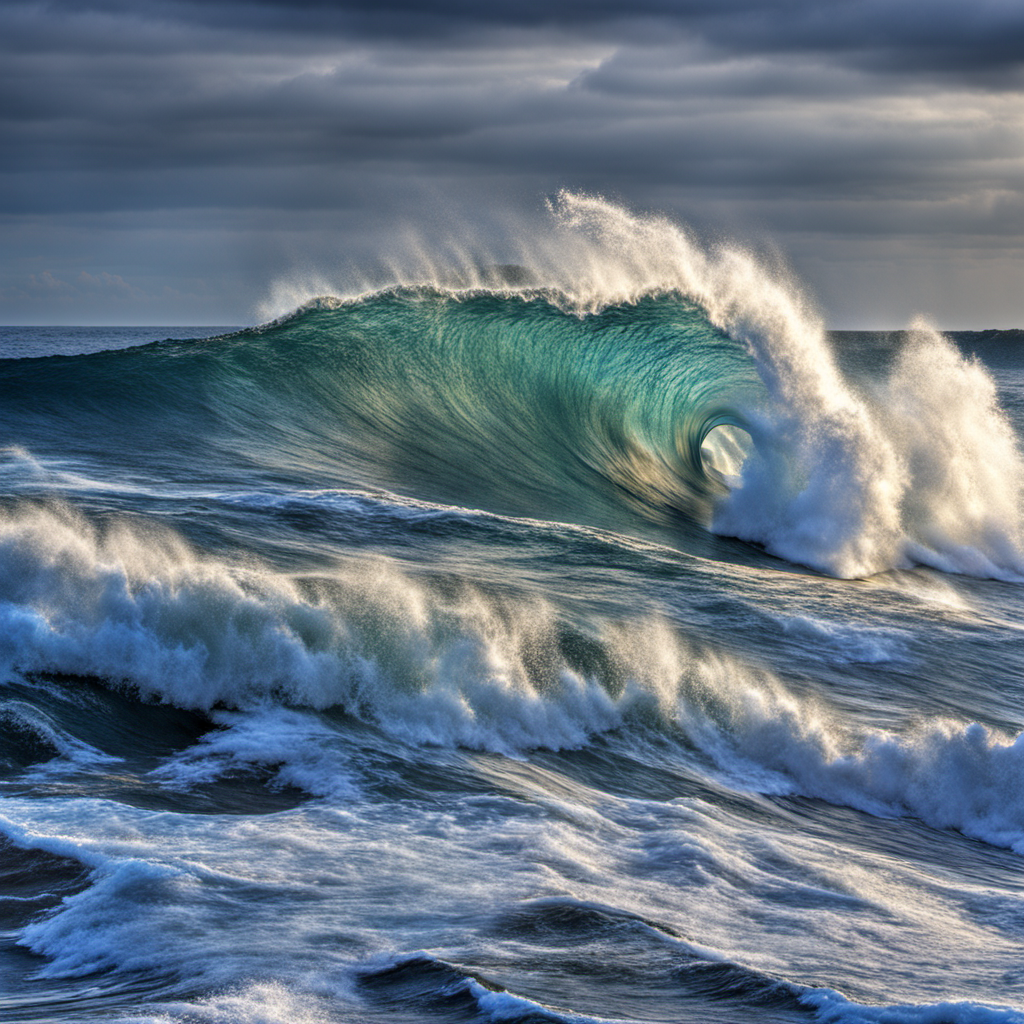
column 168, row 161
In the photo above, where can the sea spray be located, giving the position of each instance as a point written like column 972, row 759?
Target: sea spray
column 929, row 471
column 963, row 508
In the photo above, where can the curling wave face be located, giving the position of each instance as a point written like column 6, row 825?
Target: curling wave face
column 502, row 402
column 918, row 467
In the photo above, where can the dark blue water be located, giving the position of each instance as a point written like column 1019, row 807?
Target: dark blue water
column 503, row 655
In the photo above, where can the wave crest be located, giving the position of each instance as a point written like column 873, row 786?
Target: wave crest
column 440, row 662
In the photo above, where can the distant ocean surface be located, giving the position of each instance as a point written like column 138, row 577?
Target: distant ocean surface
column 589, row 640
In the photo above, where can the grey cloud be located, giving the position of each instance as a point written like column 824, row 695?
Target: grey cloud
column 983, row 38
column 184, row 127
column 193, row 135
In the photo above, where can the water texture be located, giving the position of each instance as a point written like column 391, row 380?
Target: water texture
column 590, row 639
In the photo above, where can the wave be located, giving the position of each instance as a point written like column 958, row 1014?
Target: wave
column 507, row 403
column 922, row 467
column 443, row 662
column 106, row 924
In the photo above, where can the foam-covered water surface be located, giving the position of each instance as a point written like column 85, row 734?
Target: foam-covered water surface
column 593, row 640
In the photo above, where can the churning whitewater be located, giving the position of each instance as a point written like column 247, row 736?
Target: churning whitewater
column 594, row 638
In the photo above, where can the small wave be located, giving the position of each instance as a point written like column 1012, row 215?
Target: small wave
column 428, row 984
column 31, row 738
column 844, row 643
column 950, row 774
column 832, row 1008
column 451, row 664
column 305, row 753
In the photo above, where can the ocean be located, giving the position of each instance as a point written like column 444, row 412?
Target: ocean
column 595, row 638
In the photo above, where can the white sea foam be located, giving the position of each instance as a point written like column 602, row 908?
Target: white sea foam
column 173, row 895
column 136, row 604
column 108, row 913
column 950, row 773
column 305, row 752
column 842, row 643
column 262, row 1002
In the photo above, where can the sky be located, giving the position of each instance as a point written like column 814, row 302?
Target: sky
column 174, row 161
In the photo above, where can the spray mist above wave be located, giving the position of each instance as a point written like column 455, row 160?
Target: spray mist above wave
column 924, row 468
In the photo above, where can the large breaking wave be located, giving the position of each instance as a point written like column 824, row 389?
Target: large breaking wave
column 622, row 373
column 238, row 572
